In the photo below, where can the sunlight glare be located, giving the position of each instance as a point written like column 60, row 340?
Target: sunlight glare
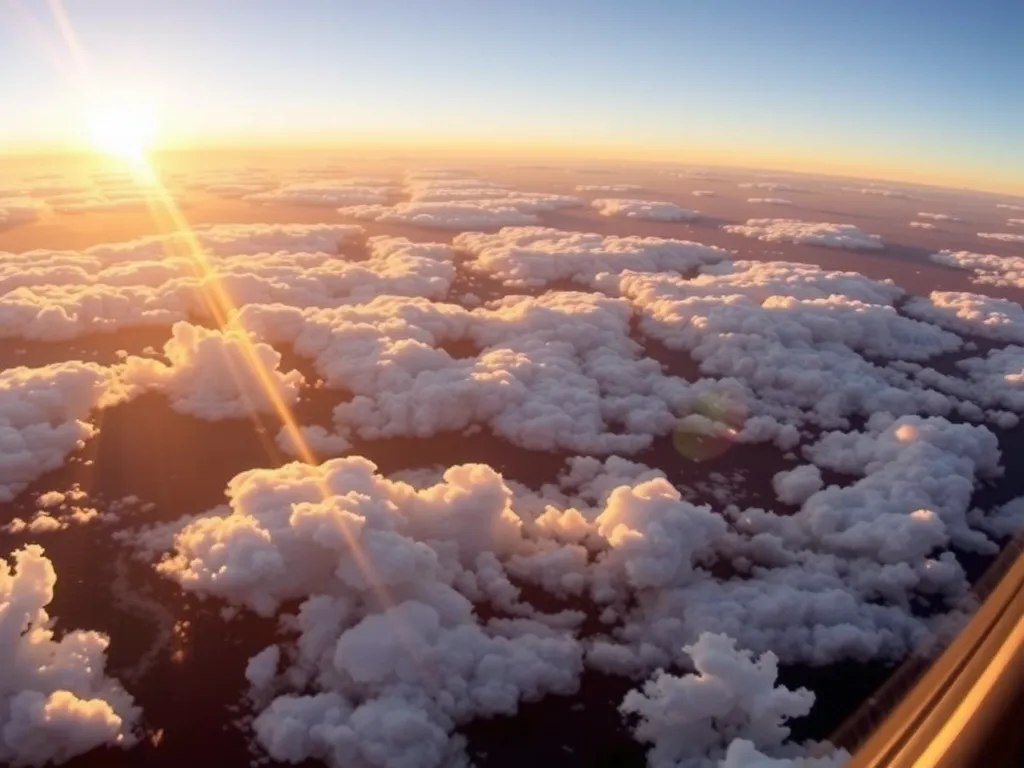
column 122, row 130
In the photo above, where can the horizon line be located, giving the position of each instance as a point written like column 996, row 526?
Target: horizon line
column 558, row 151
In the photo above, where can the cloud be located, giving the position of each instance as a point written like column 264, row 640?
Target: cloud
column 451, row 188
column 806, row 232
column 115, row 195
column 922, row 225
column 1002, row 236
column 44, row 417
column 988, row 268
column 937, row 217
column 971, row 313
column 18, row 211
column 1008, row 207
column 411, row 604
column 509, row 210
column 474, row 214
column 643, row 209
column 769, row 201
column 554, row 372
column 58, row 702
column 330, row 194
column 693, row 719
column 538, row 256
column 1015, row 222
column 879, row 191
column 771, row 186
column 215, row 374
column 608, row 188
column 704, row 193
column 796, row 485
column 158, row 281
column 739, row 320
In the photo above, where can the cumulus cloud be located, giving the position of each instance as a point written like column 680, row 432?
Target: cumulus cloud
column 474, row 214
column 330, row 194
column 18, row 211
column 796, row 485
column 421, row 189
column 608, row 188
column 806, row 232
column 505, row 209
column 643, row 209
column 57, row 700
column 128, row 195
column 538, row 256
column 971, row 313
column 215, row 374
column 555, row 372
column 878, row 191
column 769, row 201
column 44, row 417
column 740, row 320
column 771, row 186
column 988, row 268
column 410, row 597
column 692, row 720
column 937, row 217
column 159, row 281
column 1004, row 237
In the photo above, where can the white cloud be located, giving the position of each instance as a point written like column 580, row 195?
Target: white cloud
column 504, row 209
column 215, row 374
column 18, row 211
column 330, row 194
column 1015, row 222
column 453, row 189
column 807, row 232
column 473, row 214
column 769, row 201
column 643, row 209
column 128, row 195
column 1004, row 237
column 797, row 335
column 922, row 225
column 559, row 371
column 878, row 191
column 937, row 217
column 1008, row 207
column 971, row 313
column 704, row 193
column 58, row 702
column 608, row 188
column 771, row 186
column 692, row 719
column 43, row 418
column 988, row 268
column 796, row 485
column 158, row 281
column 537, row 256
column 440, row 566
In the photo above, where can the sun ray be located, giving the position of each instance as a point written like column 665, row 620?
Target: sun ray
column 123, row 133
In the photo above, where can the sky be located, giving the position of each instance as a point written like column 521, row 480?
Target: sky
column 930, row 90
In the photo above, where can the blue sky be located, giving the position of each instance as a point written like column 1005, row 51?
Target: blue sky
column 895, row 84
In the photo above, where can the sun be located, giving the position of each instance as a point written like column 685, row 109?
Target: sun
column 122, row 130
